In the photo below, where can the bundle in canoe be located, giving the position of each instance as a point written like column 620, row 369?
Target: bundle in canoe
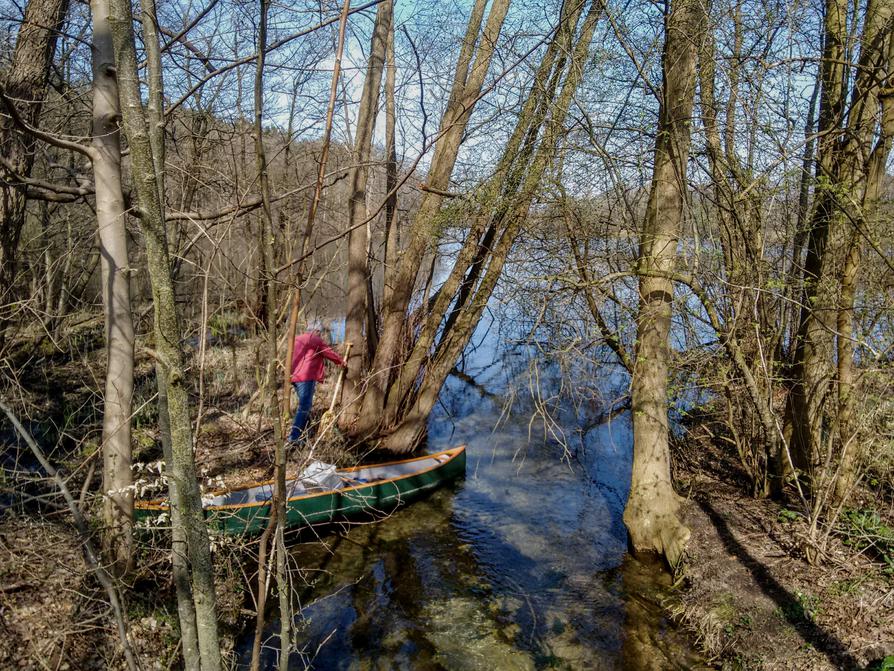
column 326, row 495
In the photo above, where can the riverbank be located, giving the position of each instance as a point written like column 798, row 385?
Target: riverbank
column 754, row 602
column 749, row 598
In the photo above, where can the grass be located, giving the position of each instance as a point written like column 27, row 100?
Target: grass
column 805, row 608
column 886, row 664
column 864, row 530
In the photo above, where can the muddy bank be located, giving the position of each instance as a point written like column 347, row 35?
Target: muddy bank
column 53, row 615
column 755, row 603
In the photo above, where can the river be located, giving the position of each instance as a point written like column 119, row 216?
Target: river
column 523, row 565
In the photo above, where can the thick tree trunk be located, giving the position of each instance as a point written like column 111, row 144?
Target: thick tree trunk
column 855, row 141
column 400, row 276
column 185, row 494
column 480, row 261
column 652, row 508
column 117, row 475
column 25, row 82
column 358, row 238
column 870, row 147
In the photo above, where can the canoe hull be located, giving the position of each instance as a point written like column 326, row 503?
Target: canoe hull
column 367, row 502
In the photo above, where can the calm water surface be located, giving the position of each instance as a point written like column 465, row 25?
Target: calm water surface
column 522, row 565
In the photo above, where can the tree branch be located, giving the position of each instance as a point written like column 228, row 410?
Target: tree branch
column 39, row 189
column 84, row 533
column 271, row 47
column 247, row 206
column 39, row 134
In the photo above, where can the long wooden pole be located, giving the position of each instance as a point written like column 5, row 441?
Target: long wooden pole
column 312, row 209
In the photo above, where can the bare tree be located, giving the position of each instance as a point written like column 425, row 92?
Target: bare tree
column 167, row 335
column 358, row 236
column 106, row 155
column 25, row 82
column 855, row 142
column 400, row 276
column 652, row 508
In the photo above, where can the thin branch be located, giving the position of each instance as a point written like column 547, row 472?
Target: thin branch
column 249, row 205
column 84, row 532
column 39, row 134
column 271, row 47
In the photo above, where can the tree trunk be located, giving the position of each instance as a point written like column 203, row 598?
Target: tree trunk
column 26, row 83
column 400, row 276
column 392, row 230
column 268, row 249
column 117, row 475
column 358, row 238
column 496, row 198
column 814, row 348
column 855, row 140
column 185, row 494
column 652, row 508
column 186, row 610
column 874, row 125
column 480, row 262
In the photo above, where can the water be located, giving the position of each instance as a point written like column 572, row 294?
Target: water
column 521, row 566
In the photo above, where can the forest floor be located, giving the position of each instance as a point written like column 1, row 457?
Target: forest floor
column 53, row 614
column 752, row 599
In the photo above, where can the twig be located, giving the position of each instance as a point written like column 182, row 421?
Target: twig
column 84, row 532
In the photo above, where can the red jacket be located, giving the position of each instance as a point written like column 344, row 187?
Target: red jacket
column 307, row 359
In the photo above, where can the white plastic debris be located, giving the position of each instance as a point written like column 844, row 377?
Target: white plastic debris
column 320, row 474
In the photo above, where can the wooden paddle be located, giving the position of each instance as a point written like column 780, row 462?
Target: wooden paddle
column 328, row 418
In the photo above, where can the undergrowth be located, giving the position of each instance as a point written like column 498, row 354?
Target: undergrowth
column 865, row 531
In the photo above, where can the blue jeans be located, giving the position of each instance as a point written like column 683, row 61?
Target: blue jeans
column 305, row 393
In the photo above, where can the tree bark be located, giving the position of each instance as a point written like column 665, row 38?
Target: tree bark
column 496, row 203
column 358, row 237
column 186, row 610
column 651, row 514
column 392, row 230
column 185, row 494
column 117, row 475
column 26, row 82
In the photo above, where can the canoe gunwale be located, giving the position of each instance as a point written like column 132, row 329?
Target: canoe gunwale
column 453, row 453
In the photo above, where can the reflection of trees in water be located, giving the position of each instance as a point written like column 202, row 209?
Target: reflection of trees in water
column 536, row 349
column 368, row 588
column 413, row 592
column 647, row 639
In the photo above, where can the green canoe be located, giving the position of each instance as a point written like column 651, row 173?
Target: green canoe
column 362, row 492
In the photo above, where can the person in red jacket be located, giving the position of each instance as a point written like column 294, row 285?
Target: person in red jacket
column 307, row 370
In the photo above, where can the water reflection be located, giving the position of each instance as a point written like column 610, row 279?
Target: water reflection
column 521, row 566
